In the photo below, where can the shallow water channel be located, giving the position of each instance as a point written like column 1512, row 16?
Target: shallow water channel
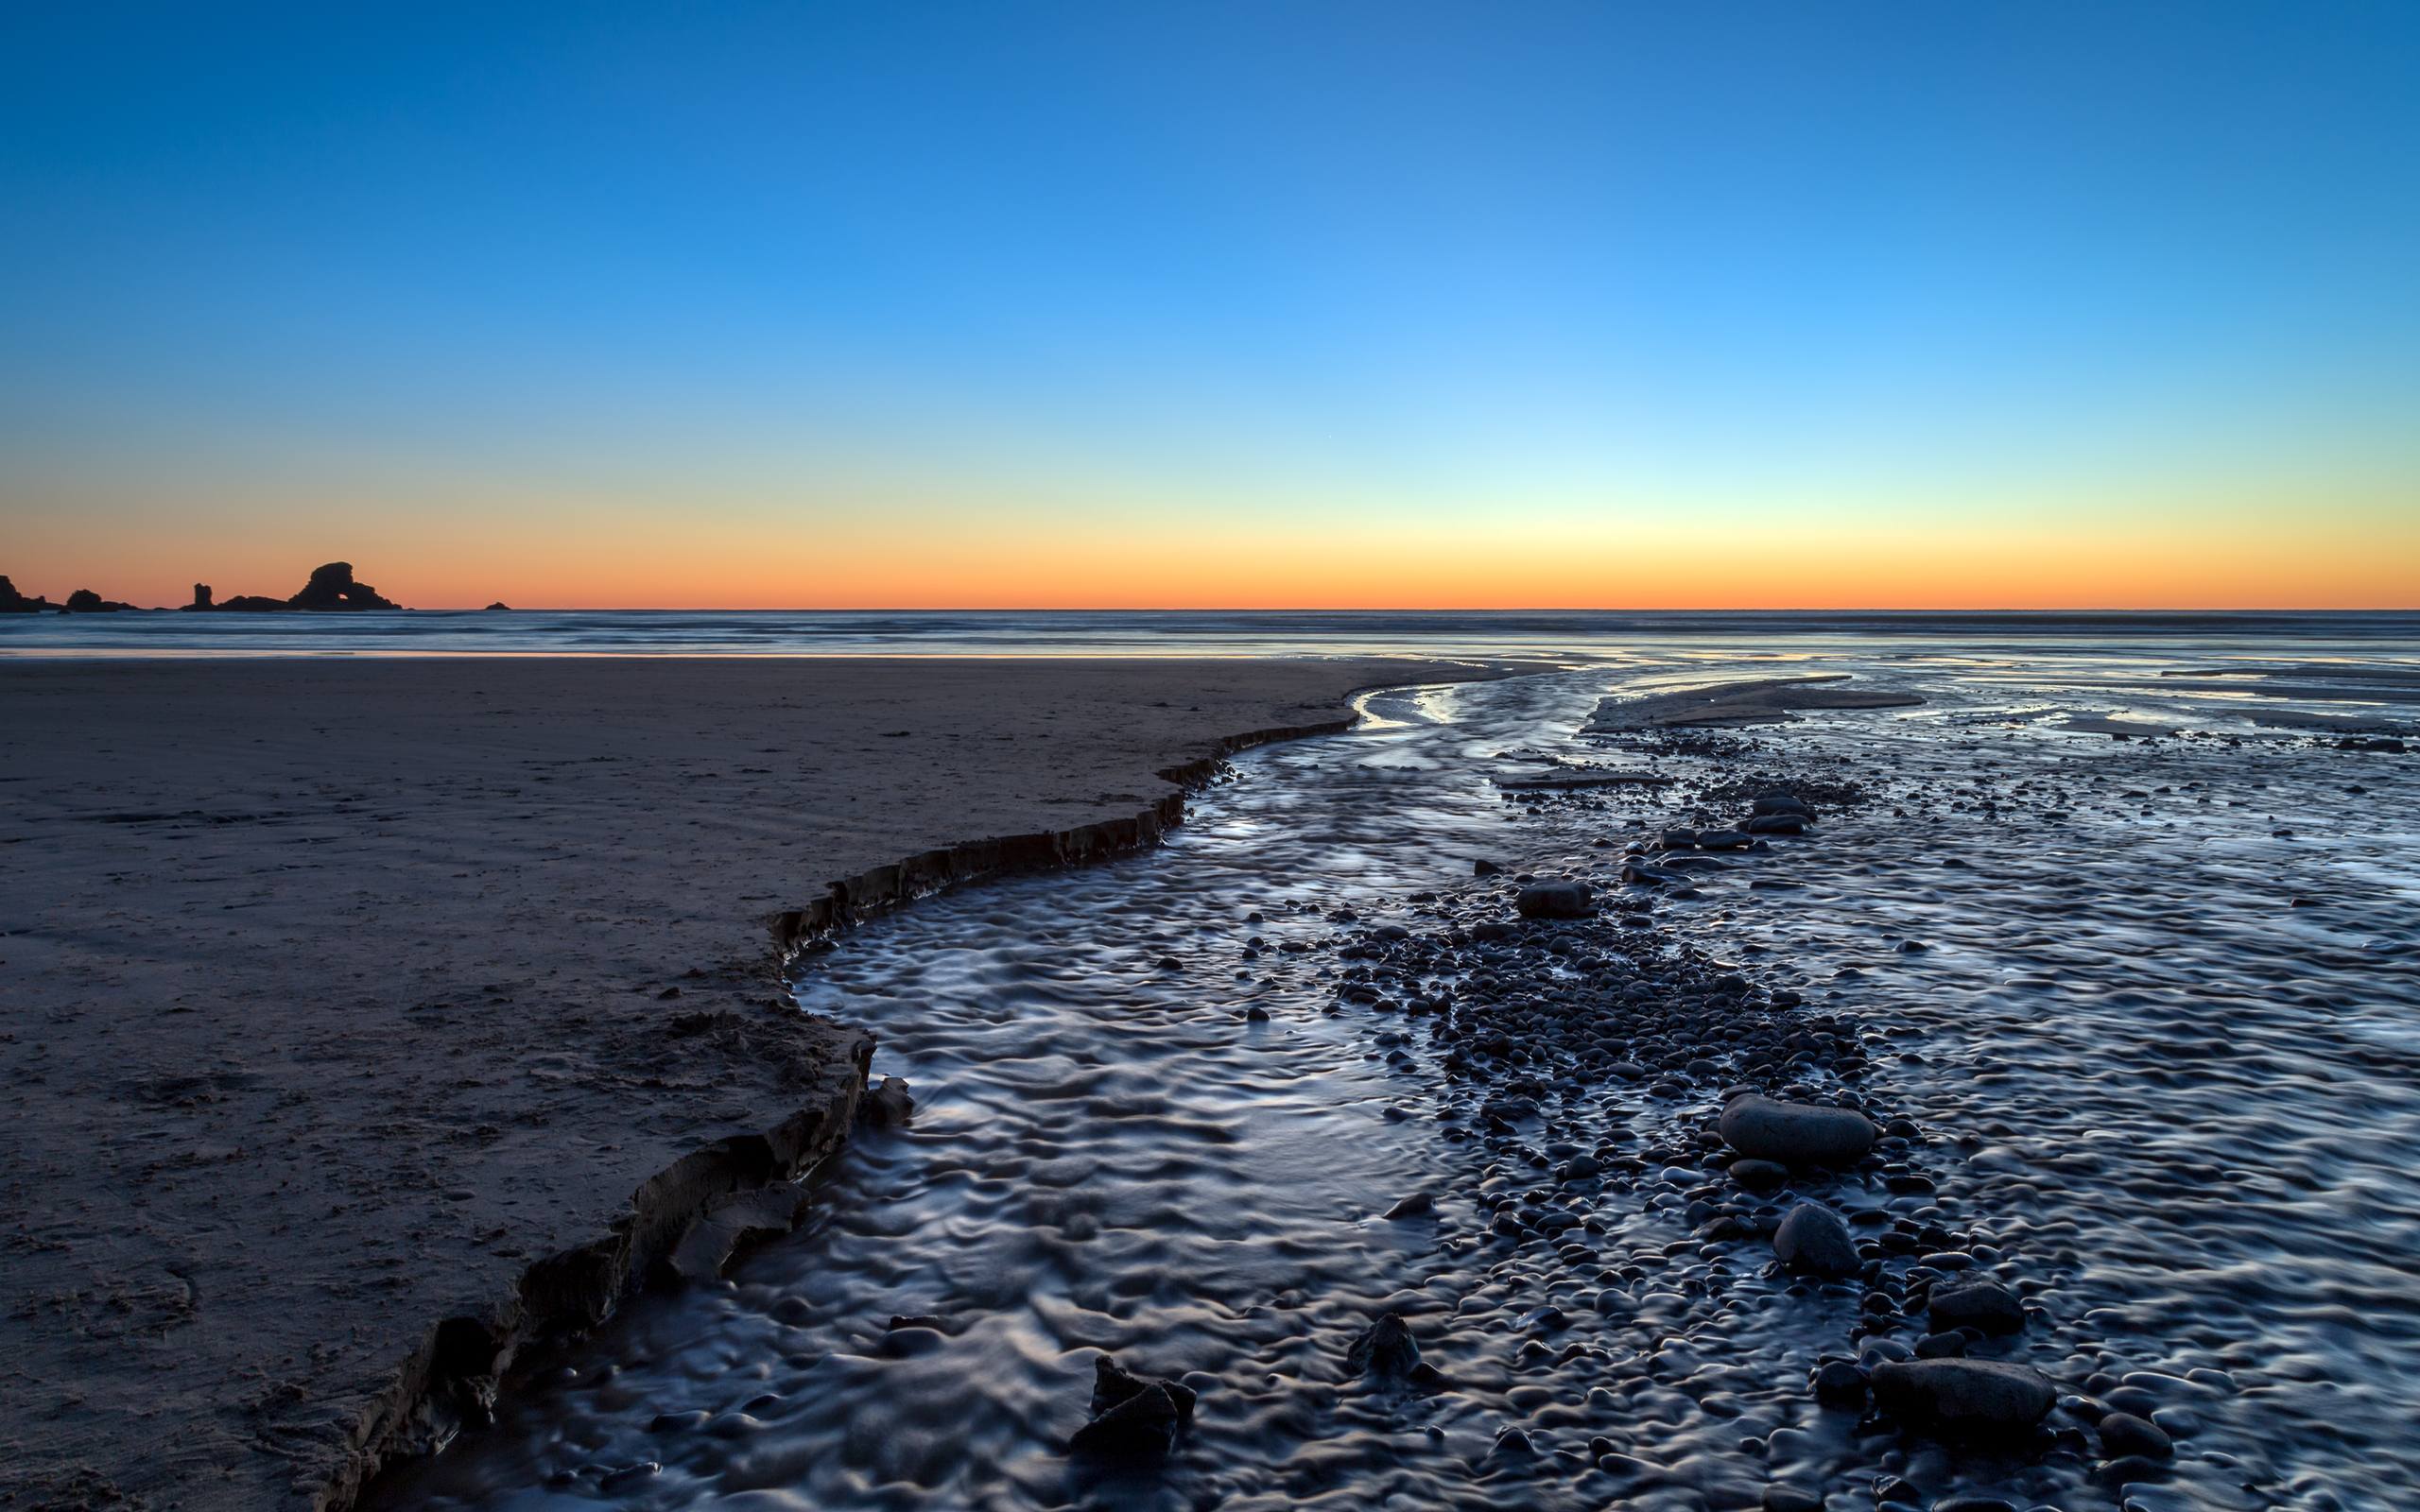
column 2151, row 1005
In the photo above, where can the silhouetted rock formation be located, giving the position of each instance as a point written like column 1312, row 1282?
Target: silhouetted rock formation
column 12, row 602
column 332, row 587
column 84, row 601
column 501, row 605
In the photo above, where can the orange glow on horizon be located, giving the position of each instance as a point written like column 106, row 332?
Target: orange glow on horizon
column 1376, row 574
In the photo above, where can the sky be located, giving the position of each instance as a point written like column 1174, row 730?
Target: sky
column 1236, row 304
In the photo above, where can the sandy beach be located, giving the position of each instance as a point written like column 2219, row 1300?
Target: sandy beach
column 343, row 993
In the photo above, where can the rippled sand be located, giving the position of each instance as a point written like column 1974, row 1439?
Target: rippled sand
column 2151, row 1006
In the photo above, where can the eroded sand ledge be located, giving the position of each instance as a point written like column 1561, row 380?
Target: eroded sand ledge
column 368, row 1018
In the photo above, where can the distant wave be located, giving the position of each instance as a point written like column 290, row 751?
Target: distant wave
column 1359, row 632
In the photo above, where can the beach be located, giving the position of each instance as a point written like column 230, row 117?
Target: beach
column 1617, row 1085
column 344, row 992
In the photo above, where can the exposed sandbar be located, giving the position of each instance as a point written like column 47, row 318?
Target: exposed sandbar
column 1757, row 701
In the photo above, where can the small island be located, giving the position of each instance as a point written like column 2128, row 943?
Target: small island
column 331, row 589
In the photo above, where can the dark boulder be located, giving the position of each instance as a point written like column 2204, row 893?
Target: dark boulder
column 886, row 1103
column 1812, row 1241
column 1965, row 1396
column 499, row 607
column 1132, row 1418
column 1385, row 1350
column 1984, row 1305
column 84, row 601
column 1555, row 900
column 1766, row 1129
column 1113, row 1384
column 1760, row 1175
column 1839, row 1383
column 2123, row 1434
column 1143, row 1427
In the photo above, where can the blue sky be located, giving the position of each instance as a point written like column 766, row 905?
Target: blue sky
column 1058, row 273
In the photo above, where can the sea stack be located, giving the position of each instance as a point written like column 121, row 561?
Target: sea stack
column 200, row 597
column 12, row 602
column 332, row 587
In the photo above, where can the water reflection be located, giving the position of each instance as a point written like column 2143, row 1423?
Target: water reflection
column 2158, row 1037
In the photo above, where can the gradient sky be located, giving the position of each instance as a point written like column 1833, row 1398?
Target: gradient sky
column 1234, row 304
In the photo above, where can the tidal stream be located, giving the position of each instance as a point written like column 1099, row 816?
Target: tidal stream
column 2144, row 1012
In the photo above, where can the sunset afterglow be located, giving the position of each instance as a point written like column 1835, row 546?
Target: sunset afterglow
column 1428, row 306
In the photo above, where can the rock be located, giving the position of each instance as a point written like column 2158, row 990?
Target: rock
column 1647, row 876
column 2123, row 1434
column 1777, row 801
column 1970, row 1396
column 1775, row 824
column 1838, row 1384
column 1419, row 1205
column 499, row 607
column 1385, row 1350
column 1985, row 1305
column 1812, row 1241
column 1759, row 1176
column 84, row 601
column 1143, row 1427
column 12, row 602
column 1113, row 1385
column 918, row 1320
column 1790, row 1499
column 332, row 587
column 1766, row 1129
column 1484, row 867
column 886, row 1103
column 201, row 596
column 1555, row 900
column 907, row 1342
column 1722, row 840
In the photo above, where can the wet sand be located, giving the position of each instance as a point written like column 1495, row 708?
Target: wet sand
column 1429, row 1197
column 340, row 994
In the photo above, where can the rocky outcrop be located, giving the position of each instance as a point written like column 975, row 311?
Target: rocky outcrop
column 12, row 602
column 331, row 590
column 332, row 587
column 84, row 601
